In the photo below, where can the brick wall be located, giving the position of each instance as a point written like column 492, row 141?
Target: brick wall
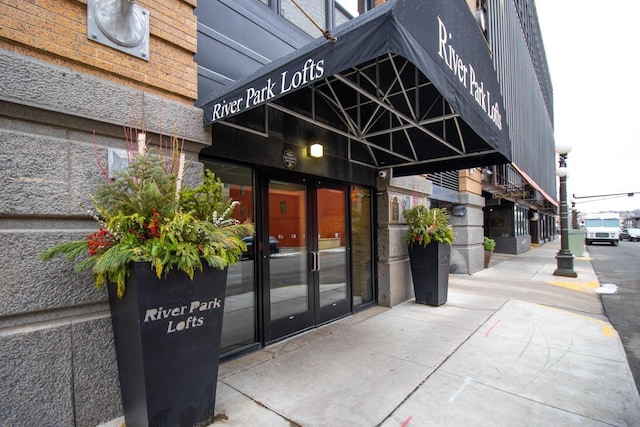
column 470, row 181
column 56, row 31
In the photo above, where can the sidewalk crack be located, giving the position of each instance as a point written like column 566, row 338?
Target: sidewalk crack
column 416, row 388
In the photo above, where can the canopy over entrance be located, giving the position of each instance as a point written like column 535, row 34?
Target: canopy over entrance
column 410, row 85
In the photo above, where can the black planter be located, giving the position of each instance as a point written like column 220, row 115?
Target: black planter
column 430, row 271
column 167, row 337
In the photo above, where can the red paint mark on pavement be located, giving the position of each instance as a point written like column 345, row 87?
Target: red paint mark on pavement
column 491, row 328
column 406, row 422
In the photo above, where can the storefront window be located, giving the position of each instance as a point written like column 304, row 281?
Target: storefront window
column 361, row 252
column 501, row 221
column 521, row 221
column 238, row 329
column 509, row 220
column 353, row 7
column 348, row 9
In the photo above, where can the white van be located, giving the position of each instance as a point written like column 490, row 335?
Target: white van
column 602, row 227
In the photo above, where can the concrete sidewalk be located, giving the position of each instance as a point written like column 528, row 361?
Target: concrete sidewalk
column 514, row 345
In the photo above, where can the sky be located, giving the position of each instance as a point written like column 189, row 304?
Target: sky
column 593, row 52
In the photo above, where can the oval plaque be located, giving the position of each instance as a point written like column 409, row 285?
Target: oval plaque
column 289, row 158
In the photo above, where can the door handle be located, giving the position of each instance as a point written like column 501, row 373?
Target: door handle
column 315, row 261
column 312, row 261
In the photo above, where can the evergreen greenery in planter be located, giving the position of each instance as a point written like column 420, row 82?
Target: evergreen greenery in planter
column 429, row 262
column 489, row 247
column 489, row 244
column 428, row 225
column 146, row 215
column 151, row 230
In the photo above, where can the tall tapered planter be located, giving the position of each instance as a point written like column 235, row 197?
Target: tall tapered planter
column 487, row 258
column 430, row 271
column 167, row 338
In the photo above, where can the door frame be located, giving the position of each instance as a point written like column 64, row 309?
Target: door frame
column 340, row 308
column 276, row 330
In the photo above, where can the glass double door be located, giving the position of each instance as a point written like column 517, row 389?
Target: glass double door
column 305, row 268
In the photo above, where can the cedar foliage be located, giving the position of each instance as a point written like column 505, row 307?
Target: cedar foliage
column 144, row 217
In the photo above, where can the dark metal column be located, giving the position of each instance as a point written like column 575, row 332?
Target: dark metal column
column 564, row 256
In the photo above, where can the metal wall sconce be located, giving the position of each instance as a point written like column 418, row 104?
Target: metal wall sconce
column 120, row 24
column 459, row 210
column 316, row 150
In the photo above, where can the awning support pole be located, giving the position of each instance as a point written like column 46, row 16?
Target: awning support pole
column 327, row 35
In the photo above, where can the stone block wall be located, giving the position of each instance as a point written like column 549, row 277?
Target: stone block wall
column 394, row 273
column 467, row 251
column 57, row 359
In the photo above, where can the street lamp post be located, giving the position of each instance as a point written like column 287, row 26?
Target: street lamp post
column 564, row 256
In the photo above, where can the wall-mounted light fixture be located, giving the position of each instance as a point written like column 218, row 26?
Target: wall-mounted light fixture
column 459, row 210
column 316, row 150
column 120, row 24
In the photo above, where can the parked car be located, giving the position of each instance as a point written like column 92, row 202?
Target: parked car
column 631, row 234
column 274, row 247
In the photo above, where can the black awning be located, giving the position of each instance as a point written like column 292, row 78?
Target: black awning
column 410, row 85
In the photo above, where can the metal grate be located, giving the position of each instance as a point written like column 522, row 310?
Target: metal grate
column 449, row 180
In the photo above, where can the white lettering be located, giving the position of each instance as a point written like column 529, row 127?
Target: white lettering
column 449, row 54
column 319, row 69
column 442, row 41
column 494, row 113
column 205, row 306
column 311, row 71
column 191, row 322
column 150, row 315
column 258, row 96
column 161, row 313
column 477, row 89
column 460, row 70
column 223, row 109
column 191, row 310
column 254, row 96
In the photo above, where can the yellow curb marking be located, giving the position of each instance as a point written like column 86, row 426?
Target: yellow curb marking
column 586, row 287
column 607, row 330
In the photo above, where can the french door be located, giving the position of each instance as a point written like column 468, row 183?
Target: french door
column 306, row 274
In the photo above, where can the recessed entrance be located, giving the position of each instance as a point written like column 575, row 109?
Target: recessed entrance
column 310, row 261
column 306, row 281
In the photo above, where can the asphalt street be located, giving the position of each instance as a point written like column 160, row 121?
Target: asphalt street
column 618, row 265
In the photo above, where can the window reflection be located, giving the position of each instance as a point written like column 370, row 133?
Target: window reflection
column 361, row 251
column 348, row 9
column 331, row 246
column 288, row 280
column 238, row 328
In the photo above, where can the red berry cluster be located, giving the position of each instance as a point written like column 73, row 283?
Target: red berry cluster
column 153, row 228
column 98, row 240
